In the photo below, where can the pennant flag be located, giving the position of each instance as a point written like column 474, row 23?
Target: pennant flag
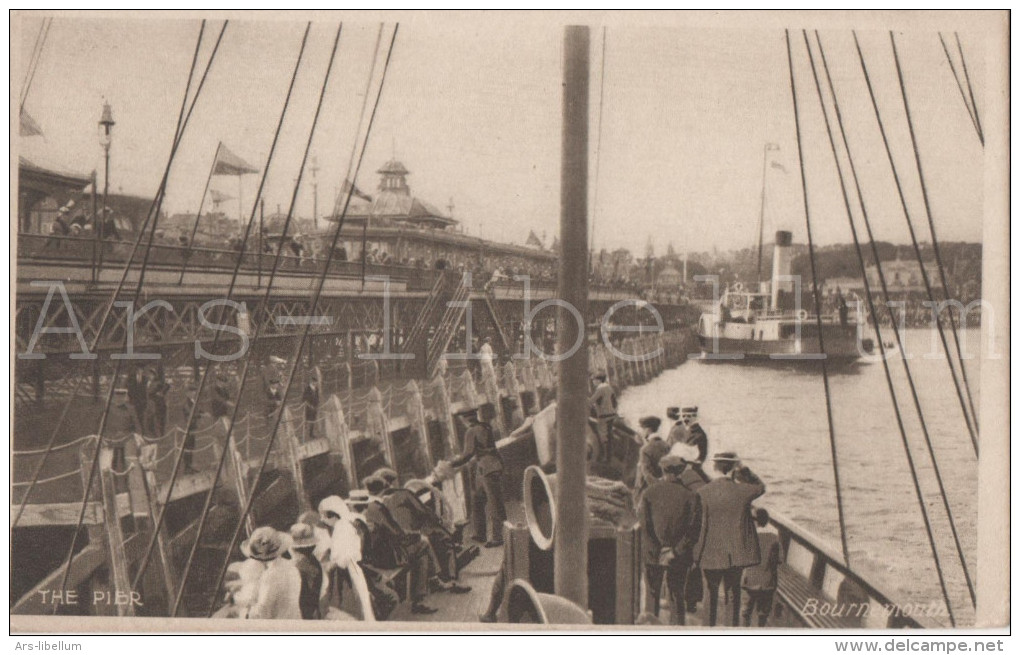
column 230, row 164
column 28, row 126
column 355, row 191
column 779, row 166
column 533, row 240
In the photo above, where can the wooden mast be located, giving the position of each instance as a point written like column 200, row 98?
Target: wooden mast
column 571, row 550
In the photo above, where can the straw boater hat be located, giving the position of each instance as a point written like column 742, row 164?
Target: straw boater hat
column 725, row 457
column 672, row 413
column 302, row 536
column 265, row 544
column 689, row 411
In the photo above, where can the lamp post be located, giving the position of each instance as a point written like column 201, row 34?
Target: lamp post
column 105, row 138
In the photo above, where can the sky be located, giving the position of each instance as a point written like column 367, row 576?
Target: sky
column 473, row 109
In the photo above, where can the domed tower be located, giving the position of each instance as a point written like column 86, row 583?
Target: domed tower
column 394, row 178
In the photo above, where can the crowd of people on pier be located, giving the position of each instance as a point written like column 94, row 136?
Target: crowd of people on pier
column 701, row 533
column 353, row 559
column 384, row 544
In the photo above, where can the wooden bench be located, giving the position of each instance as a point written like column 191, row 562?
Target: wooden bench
column 796, row 594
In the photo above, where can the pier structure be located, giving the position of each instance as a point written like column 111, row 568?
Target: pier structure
column 374, row 410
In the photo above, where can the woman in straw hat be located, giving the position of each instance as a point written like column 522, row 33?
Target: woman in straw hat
column 280, row 585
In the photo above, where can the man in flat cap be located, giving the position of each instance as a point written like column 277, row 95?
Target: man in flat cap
column 653, row 449
column 670, row 517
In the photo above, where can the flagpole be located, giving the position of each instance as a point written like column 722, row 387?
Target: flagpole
column 95, row 227
column 761, row 214
column 262, row 229
column 198, row 216
column 240, row 204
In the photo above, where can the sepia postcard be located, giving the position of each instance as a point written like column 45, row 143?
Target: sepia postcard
column 495, row 322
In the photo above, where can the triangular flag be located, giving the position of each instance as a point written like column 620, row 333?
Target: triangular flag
column 355, row 191
column 230, row 164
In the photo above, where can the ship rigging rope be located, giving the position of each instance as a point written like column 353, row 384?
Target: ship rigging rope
column 33, row 62
column 934, row 243
column 818, row 311
column 245, row 370
column 304, row 336
column 350, row 160
column 860, row 256
column 971, row 111
column 178, row 130
column 598, row 150
column 970, row 418
column 970, row 89
column 180, row 452
column 153, row 215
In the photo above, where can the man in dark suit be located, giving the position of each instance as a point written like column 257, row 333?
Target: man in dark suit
column 677, row 431
column 155, row 403
column 137, row 385
column 671, row 522
column 390, row 546
column 414, row 517
column 654, row 448
column 480, row 446
column 729, row 542
column 694, row 478
column 310, row 398
column 695, row 433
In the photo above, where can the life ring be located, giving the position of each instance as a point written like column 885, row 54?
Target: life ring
column 738, row 287
column 801, row 314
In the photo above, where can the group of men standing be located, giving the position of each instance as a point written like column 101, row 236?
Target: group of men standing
column 699, row 532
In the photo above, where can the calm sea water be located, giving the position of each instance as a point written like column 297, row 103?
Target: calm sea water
column 775, row 418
